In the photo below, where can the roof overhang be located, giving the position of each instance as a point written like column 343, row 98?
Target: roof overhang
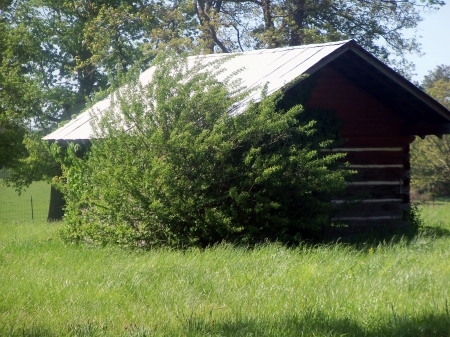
column 423, row 114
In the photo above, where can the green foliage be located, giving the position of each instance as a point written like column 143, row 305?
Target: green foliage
column 414, row 218
column 177, row 169
column 55, row 54
column 440, row 90
column 36, row 163
column 248, row 24
column 11, row 137
column 441, row 72
column 430, row 157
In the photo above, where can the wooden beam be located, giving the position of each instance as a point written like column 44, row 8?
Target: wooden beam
column 365, row 218
column 363, row 149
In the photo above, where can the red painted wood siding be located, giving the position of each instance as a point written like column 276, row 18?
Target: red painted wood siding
column 373, row 131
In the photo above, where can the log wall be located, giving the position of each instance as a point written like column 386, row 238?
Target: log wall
column 375, row 147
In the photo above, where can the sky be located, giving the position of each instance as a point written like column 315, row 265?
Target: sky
column 435, row 32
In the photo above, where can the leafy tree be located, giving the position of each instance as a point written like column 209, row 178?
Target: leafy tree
column 61, row 52
column 11, row 138
column 16, row 100
column 233, row 25
column 177, row 169
column 55, row 54
column 431, row 156
column 442, row 72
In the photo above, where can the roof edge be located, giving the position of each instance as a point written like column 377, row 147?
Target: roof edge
column 400, row 80
column 323, row 62
column 352, row 45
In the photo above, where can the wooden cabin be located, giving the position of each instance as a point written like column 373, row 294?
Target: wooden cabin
column 381, row 113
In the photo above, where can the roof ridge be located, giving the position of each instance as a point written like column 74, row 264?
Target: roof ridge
column 274, row 50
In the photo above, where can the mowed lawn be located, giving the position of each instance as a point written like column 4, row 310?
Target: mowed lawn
column 48, row 288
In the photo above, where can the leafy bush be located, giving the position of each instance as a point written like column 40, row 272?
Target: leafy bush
column 178, row 170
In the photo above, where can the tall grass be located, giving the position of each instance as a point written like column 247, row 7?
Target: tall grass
column 48, row 288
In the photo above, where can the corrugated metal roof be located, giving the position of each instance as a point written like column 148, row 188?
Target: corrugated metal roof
column 278, row 68
column 274, row 67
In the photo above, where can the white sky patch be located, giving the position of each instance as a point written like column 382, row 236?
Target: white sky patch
column 435, row 32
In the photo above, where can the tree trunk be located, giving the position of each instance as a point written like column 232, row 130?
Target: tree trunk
column 57, row 202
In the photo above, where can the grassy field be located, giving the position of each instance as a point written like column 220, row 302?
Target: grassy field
column 437, row 214
column 48, row 288
column 14, row 208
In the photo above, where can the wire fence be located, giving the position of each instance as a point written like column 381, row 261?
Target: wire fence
column 30, row 205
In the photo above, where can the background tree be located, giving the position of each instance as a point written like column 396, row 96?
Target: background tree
column 16, row 98
column 236, row 25
column 54, row 55
column 430, row 157
column 442, row 72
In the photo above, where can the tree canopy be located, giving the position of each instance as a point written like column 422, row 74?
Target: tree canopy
column 378, row 26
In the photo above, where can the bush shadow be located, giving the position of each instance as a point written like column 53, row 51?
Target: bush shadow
column 388, row 232
column 28, row 331
column 320, row 324
column 435, row 232
column 309, row 323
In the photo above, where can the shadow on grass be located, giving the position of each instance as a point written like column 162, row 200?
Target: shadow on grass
column 370, row 236
column 86, row 329
column 313, row 323
column 32, row 331
column 435, row 232
column 319, row 324
column 382, row 234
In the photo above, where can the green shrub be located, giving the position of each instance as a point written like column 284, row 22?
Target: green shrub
column 178, row 170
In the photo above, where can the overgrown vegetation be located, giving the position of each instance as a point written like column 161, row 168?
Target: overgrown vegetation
column 180, row 171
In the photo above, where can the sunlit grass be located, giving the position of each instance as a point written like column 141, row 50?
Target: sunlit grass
column 437, row 213
column 15, row 207
column 48, row 288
